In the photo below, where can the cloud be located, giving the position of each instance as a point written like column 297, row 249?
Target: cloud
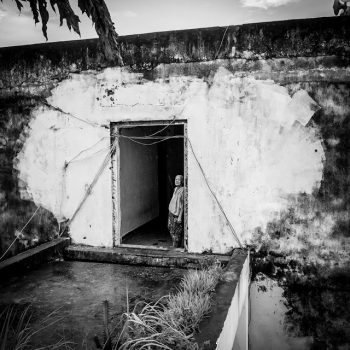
column 265, row 4
column 129, row 14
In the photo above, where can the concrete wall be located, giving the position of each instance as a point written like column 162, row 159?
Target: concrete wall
column 16, row 207
column 266, row 120
column 240, row 130
column 234, row 334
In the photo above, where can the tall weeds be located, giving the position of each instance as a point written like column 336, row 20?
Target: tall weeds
column 17, row 333
column 171, row 322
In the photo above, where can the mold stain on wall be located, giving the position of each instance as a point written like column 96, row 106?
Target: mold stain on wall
column 16, row 205
column 315, row 226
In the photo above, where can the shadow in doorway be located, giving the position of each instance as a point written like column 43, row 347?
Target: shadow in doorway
column 152, row 234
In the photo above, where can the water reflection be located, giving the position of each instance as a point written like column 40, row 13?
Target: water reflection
column 283, row 317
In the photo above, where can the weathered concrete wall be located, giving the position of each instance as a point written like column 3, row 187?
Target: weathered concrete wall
column 226, row 326
column 16, row 207
column 229, row 337
column 254, row 138
column 254, row 47
column 317, row 226
column 241, row 131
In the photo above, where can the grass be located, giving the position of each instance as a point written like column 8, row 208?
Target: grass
column 16, row 332
column 171, row 322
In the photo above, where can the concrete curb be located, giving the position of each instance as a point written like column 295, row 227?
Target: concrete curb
column 33, row 257
column 141, row 256
column 212, row 327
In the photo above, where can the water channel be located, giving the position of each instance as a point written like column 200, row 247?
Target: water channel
column 283, row 317
column 76, row 291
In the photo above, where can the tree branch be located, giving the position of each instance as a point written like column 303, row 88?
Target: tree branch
column 100, row 16
column 96, row 10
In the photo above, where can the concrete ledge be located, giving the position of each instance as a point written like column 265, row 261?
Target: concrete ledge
column 33, row 257
column 141, row 256
column 292, row 38
column 34, row 70
column 213, row 328
column 282, row 70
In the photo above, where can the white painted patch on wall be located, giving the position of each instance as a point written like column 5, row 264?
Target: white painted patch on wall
column 55, row 140
column 249, row 136
column 254, row 151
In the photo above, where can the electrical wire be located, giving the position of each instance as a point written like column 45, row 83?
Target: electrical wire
column 222, row 40
column 86, row 149
column 214, row 195
column 161, row 139
column 105, row 162
column 161, row 130
column 87, row 157
column 58, row 109
column 92, row 185
column 13, row 242
column 135, row 139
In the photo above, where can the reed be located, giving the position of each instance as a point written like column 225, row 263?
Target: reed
column 171, row 322
column 17, row 333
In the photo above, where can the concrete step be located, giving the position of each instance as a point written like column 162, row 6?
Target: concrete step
column 142, row 256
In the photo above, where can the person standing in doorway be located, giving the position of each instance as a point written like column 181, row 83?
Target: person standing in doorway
column 176, row 210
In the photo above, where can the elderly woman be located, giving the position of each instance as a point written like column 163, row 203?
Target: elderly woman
column 176, row 209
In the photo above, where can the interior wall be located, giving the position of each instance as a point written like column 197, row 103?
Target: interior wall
column 171, row 163
column 138, row 181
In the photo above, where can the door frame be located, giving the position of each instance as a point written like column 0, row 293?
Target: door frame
column 115, row 128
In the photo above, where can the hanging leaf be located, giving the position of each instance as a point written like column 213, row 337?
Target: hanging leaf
column 66, row 13
column 104, row 26
column 53, row 5
column 44, row 14
column 96, row 10
column 34, row 8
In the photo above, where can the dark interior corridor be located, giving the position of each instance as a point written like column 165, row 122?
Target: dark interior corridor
column 164, row 160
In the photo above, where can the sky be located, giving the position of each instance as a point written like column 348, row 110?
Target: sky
column 144, row 16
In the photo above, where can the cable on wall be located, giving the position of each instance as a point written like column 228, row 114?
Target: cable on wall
column 165, row 127
column 161, row 139
column 20, row 232
column 222, row 40
column 92, row 185
column 215, row 197
column 58, row 109
column 135, row 139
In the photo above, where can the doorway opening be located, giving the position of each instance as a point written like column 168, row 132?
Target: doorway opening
column 143, row 172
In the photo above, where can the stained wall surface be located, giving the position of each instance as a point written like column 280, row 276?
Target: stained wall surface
column 267, row 130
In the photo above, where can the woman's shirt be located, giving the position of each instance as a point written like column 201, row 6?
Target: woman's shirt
column 176, row 203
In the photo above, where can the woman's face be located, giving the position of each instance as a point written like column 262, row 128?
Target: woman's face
column 178, row 180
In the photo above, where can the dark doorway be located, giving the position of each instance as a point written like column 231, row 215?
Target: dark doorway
column 147, row 171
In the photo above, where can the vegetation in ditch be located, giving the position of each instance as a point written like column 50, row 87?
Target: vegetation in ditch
column 17, row 333
column 171, row 322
